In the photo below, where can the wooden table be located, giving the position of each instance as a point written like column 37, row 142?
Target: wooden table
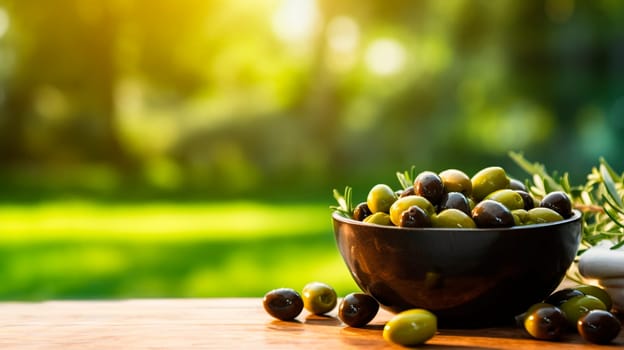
column 222, row 324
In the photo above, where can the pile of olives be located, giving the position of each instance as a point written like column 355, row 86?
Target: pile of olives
column 410, row 327
column 490, row 199
column 584, row 308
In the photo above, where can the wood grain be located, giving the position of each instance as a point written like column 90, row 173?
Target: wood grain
column 222, row 324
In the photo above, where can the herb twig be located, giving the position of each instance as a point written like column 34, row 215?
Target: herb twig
column 345, row 202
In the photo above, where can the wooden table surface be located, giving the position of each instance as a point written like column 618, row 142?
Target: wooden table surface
column 222, row 324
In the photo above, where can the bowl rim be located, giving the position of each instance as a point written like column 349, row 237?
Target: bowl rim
column 576, row 216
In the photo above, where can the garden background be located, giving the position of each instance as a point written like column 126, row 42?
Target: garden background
column 190, row 148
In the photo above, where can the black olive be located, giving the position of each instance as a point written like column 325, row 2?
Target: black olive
column 455, row 200
column 599, row 326
column 429, row 185
column 517, row 185
column 561, row 296
column 358, row 309
column 414, row 216
column 529, row 202
column 361, row 211
column 283, row 303
column 489, row 213
column 559, row 202
column 407, row 192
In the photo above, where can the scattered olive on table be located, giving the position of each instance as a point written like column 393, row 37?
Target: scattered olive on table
column 319, row 298
column 597, row 292
column 579, row 305
column 357, row 309
column 411, row 327
column 283, row 303
column 599, row 326
column 545, row 322
column 581, row 308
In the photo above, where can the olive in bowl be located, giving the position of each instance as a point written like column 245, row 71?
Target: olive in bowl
column 484, row 276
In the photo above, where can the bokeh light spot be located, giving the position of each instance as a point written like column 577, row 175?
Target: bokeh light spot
column 385, row 57
column 296, row 20
column 4, row 22
column 343, row 34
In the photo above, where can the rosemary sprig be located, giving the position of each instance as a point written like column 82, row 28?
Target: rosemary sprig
column 406, row 178
column 345, row 202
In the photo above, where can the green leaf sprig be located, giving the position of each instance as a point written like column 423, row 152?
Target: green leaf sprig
column 345, row 202
column 406, row 178
column 599, row 199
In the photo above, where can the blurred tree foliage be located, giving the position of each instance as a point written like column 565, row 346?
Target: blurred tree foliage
column 239, row 98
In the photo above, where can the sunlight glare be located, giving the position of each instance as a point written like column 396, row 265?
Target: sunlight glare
column 296, row 20
column 343, row 37
column 343, row 34
column 385, row 57
column 4, row 22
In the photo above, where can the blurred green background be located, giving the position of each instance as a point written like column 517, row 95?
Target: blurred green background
column 189, row 148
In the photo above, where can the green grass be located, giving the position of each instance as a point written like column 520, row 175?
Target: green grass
column 80, row 250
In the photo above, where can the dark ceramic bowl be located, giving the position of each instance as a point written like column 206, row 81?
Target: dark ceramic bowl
column 468, row 277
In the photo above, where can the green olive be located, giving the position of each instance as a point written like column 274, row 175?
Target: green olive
column 559, row 202
column 540, row 215
column 403, row 203
column 545, row 322
column 509, row 198
column 487, row 181
column 520, row 318
column 414, row 216
column 319, row 298
column 358, row 309
column 411, row 327
column 597, row 292
column 578, row 306
column 379, row 218
column 429, row 185
column 456, row 181
column 599, row 326
column 521, row 217
column 453, row 218
column 380, row 198
column 489, row 213
column 283, row 303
